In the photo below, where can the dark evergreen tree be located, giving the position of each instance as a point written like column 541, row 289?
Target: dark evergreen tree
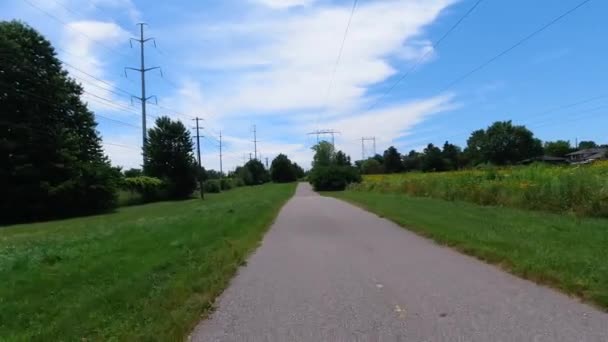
column 451, row 156
column 51, row 160
column 169, row 156
column 432, row 160
column 257, row 173
column 282, row 170
column 342, row 159
column 412, row 161
column 392, row 160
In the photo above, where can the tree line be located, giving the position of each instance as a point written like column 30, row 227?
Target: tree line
column 52, row 163
column 502, row 143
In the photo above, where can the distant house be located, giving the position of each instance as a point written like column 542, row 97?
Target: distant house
column 587, row 155
column 545, row 159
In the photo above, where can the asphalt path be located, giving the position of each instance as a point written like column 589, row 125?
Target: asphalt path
column 329, row 271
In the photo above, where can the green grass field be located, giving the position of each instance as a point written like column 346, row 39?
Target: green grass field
column 562, row 251
column 581, row 189
column 145, row 273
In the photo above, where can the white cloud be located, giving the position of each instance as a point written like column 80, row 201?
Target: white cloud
column 82, row 43
column 291, row 58
column 387, row 124
column 282, row 4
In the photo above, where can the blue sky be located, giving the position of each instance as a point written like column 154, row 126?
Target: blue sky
column 269, row 63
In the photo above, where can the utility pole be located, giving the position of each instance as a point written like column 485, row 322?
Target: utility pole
column 331, row 132
column 255, row 143
column 221, row 169
column 363, row 140
column 266, row 162
column 198, row 151
column 142, row 70
column 249, row 156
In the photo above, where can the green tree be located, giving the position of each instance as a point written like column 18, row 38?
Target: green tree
column 342, row 159
column 412, row 161
column 452, row 156
column 51, row 160
column 503, row 143
column 300, row 173
column 557, row 148
column 169, row 156
column 432, row 159
column 476, row 143
column 257, row 171
column 133, row 173
column 392, row 160
column 324, row 154
column 371, row 166
column 282, row 170
column 587, row 144
column 328, row 171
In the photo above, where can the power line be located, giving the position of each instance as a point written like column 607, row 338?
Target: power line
column 536, row 115
column 48, row 100
column 424, row 56
column 72, row 28
column 514, row 46
column 333, row 74
column 15, row 125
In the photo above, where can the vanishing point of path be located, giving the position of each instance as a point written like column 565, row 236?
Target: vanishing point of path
column 328, row 271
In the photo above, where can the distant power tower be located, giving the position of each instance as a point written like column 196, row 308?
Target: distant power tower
column 363, row 140
column 142, row 70
column 321, row 132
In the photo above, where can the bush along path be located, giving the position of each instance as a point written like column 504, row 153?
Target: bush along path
column 143, row 273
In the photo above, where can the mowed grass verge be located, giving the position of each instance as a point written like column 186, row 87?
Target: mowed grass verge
column 562, row 251
column 143, row 273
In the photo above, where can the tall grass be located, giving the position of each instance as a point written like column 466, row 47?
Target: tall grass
column 582, row 190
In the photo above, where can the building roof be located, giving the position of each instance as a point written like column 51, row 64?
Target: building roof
column 598, row 150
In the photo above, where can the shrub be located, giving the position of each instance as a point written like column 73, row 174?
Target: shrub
column 227, row 183
column 238, row 182
column 212, row 186
column 149, row 188
column 333, row 177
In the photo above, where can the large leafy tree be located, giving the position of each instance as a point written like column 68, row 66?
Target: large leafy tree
column 342, row 159
column 503, row 143
column 432, row 159
column 392, row 160
column 331, row 170
column 557, row 148
column 412, row 161
column 256, row 173
column 299, row 171
column 452, row 156
column 324, row 154
column 587, row 144
column 282, row 170
column 51, row 160
column 371, row 166
column 169, row 156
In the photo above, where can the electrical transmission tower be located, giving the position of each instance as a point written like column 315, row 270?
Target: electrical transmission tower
column 321, row 132
column 255, row 143
column 142, row 70
column 198, row 151
column 363, row 140
column 221, row 167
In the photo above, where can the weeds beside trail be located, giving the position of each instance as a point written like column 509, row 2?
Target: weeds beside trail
column 144, row 273
column 582, row 190
column 563, row 251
